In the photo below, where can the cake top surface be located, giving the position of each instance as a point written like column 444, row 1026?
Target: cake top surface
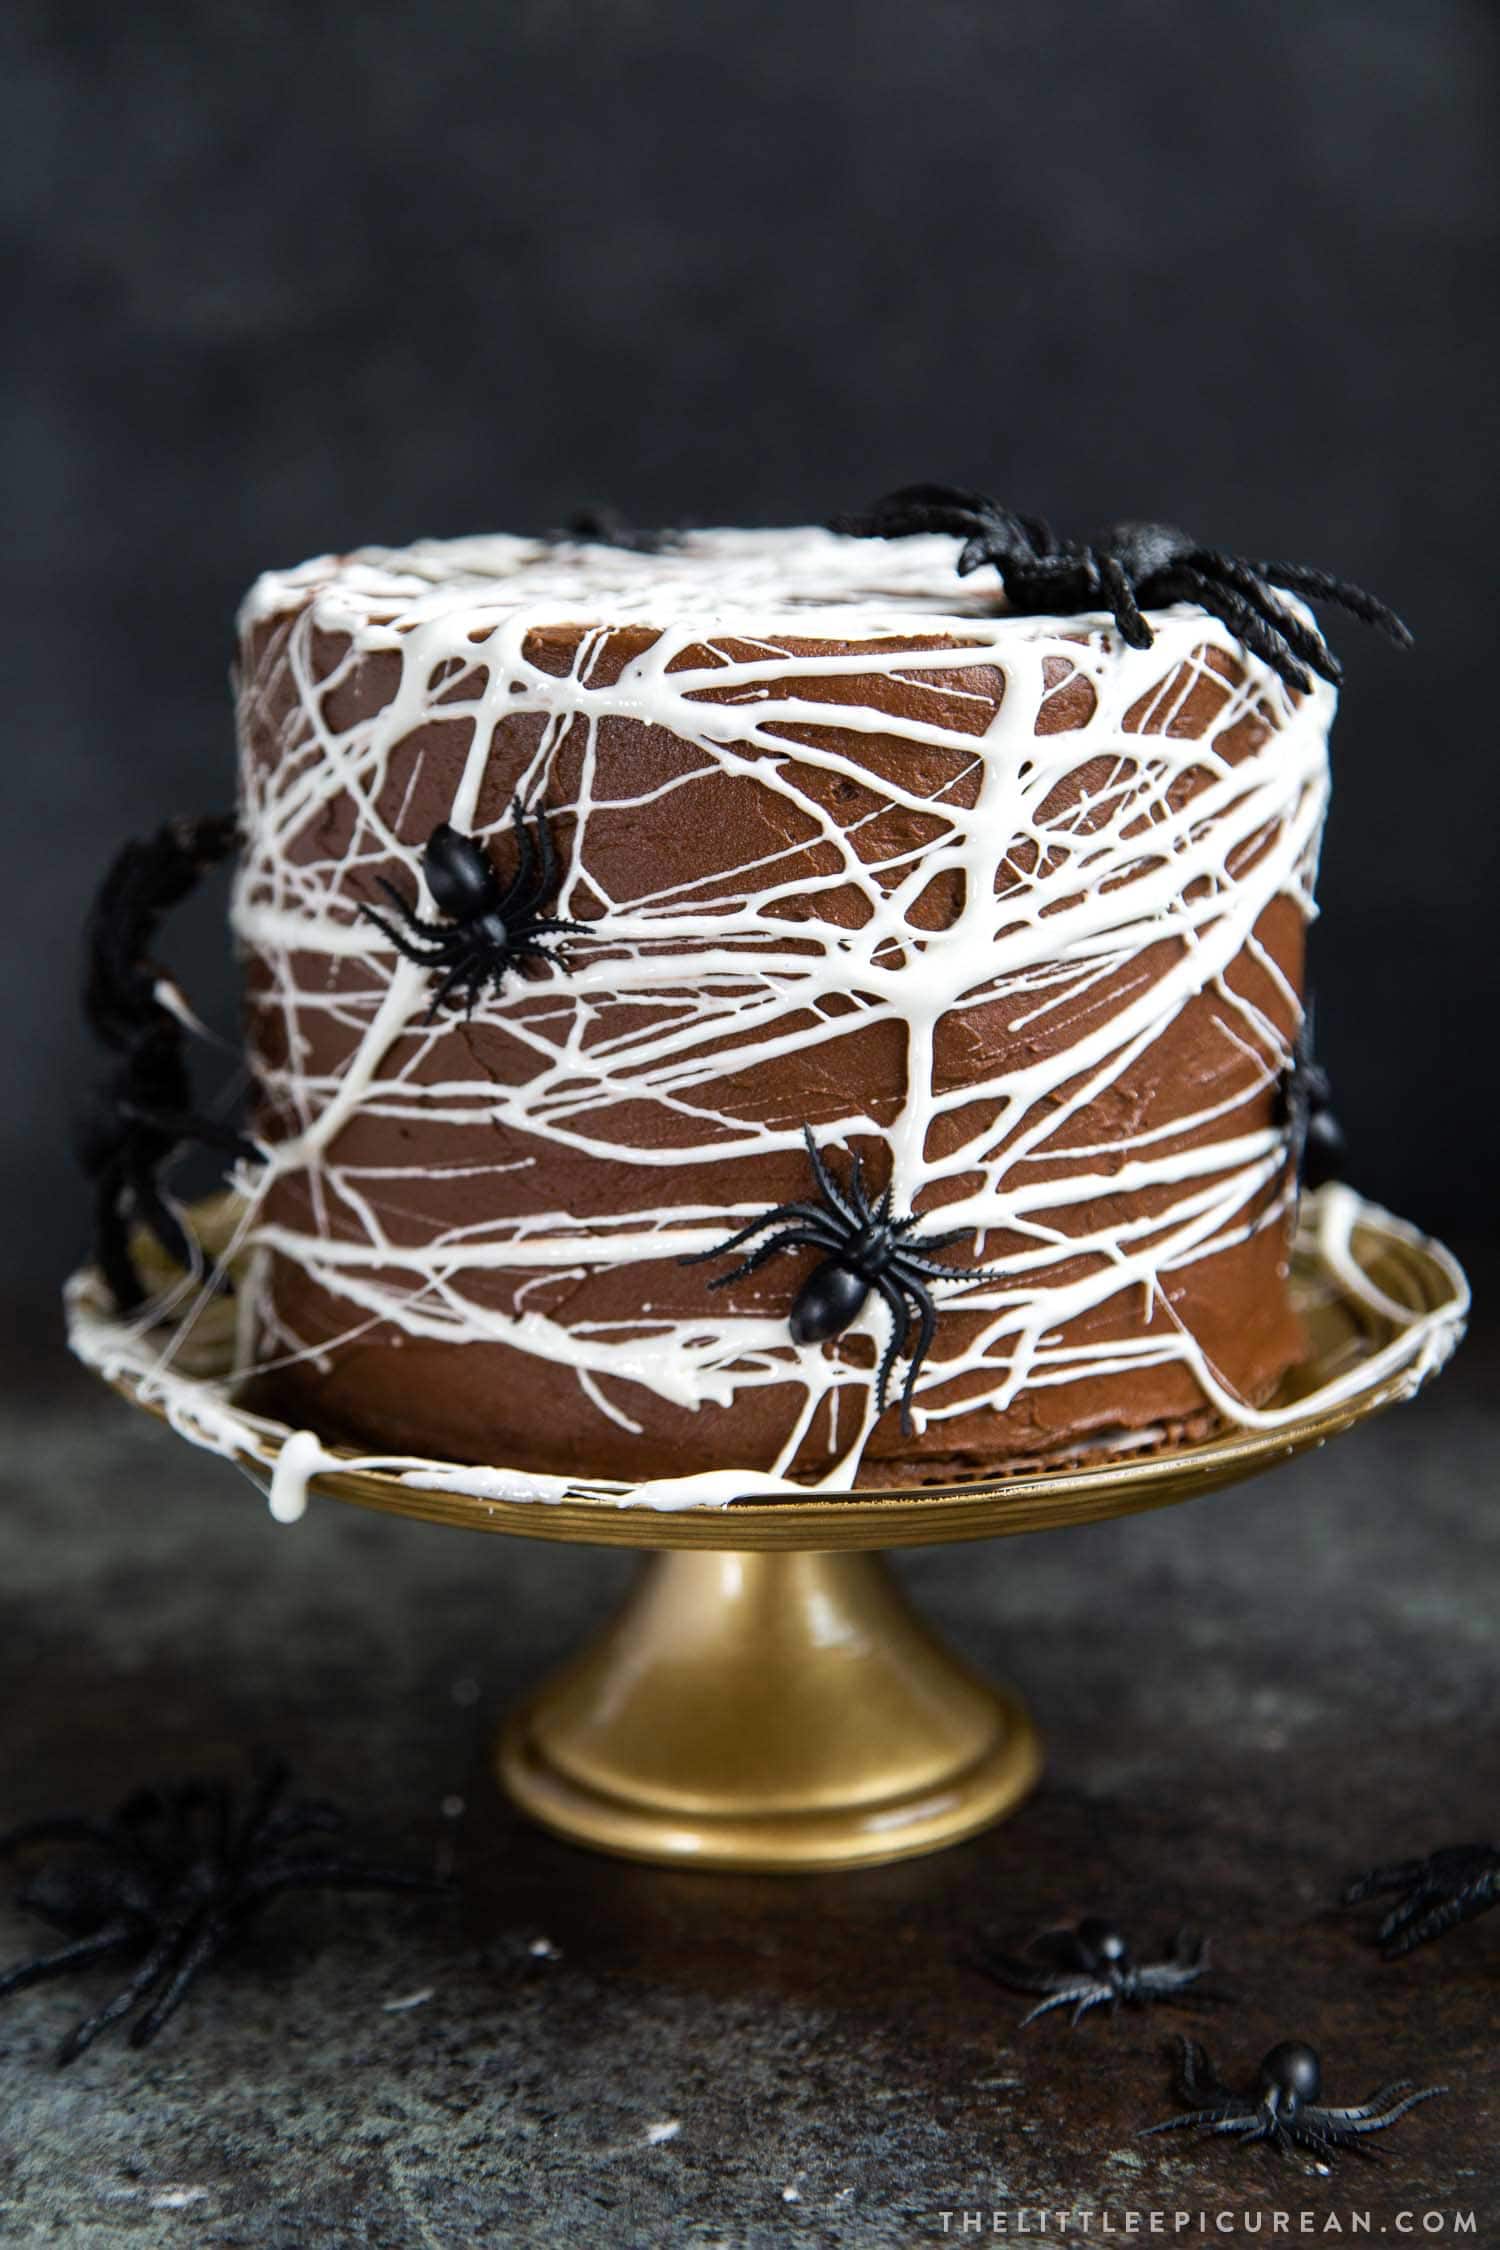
column 808, row 581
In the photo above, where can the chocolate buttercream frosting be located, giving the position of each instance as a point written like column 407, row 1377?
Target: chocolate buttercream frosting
column 1002, row 906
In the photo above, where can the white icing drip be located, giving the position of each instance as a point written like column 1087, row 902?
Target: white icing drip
column 301, row 1458
column 733, row 984
column 201, row 1406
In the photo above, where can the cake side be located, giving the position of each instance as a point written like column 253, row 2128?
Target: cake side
column 1011, row 911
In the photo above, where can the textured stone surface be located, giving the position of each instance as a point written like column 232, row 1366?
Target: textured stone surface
column 1244, row 1701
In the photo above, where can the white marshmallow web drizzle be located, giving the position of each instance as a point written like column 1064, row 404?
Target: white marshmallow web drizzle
column 200, row 1405
column 1115, row 875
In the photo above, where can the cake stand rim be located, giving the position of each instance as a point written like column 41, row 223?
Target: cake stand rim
column 876, row 1517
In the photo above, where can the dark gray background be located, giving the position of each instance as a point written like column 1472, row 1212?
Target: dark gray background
column 291, row 277
column 281, row 279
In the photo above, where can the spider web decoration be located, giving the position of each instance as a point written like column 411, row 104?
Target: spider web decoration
column 985, row 883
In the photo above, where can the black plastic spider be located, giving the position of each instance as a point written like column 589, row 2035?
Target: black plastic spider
column 1304, row 1112
column 1126, row 567
column 1437, row 1893
column 171, row 1876
column 605, row 527
column 1282, row 2108
column 864, row 1249
column 143, row 1115
column 489, row 927
column 1091, row 1966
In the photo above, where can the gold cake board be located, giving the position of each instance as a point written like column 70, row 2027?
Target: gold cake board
column 767, row 1698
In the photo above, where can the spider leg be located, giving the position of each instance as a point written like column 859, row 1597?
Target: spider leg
column 1080, row 1997
column 550, row 924
column 160, row 1220
column 933, row 1269
column 1302, row 648
column 929, row 1242
column 927, row 1317
column 528, row 882
column 1321, row 586
column 1409, row 1926
column 1368, row 2117
column 1224, row 2117
column 1361, row 2110
column 1050, row 568
column 900, row 1313
column 489, row 968
column 150, row 1972
column 1426, row 1908
column 918, row 508
column 492, row 975
column 1302, row 2133
column 190, row 1125
column 209, row 1938
column 1126, row 611
column 74, row 1956
column 546, row 880
column 795, row 1238
column 546, row 845
column 1167, row 1976
column 1002, row 538
column 112, row 1245
column 1255, row 625
column 1196, row 2074
column 807, row 1212
column 1251, row 2125
column 1396, row 1875
column 438, row 946
column 527, row 949
column 1097, row 1996
column 828, row 1186
column 461, row 972
column 411, row 919
column 1305, row 641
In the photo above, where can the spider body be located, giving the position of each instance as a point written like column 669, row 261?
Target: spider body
column 606, row 527
column 1126, row 568
column 489, row 927
column 1091, row 1966
column 1304, row 1113
column 864, row 1250
column 143, row 1114
column 1283, row 2108
column 1435, row 1894
column 171, row 1877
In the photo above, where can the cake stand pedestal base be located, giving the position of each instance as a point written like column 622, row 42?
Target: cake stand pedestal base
column 783, row 1712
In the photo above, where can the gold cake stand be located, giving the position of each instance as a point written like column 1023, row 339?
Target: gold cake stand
column 767, row 1698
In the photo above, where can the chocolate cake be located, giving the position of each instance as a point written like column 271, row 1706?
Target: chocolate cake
column 826, row 858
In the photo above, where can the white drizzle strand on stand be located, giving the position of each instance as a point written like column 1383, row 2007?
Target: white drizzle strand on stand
column 144, row 1357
